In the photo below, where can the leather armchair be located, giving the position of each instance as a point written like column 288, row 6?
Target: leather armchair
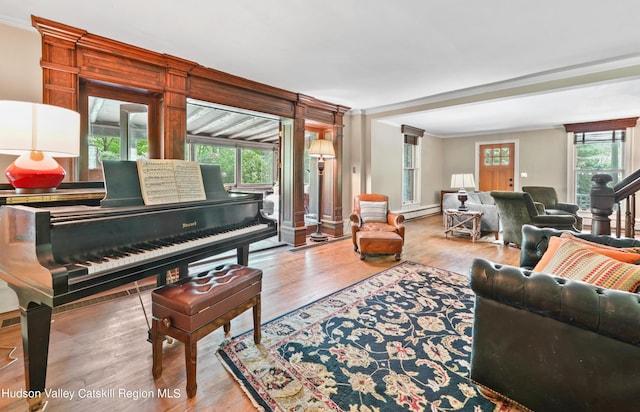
column 554, row 344
column 381, row 232
column 518, row 209
column 548, row 197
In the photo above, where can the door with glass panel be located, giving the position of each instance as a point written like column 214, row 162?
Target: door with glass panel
column 496, row 167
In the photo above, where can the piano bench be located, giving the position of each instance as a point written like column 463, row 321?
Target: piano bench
column 193, row 307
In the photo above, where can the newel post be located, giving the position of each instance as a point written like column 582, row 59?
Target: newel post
column 602, row 200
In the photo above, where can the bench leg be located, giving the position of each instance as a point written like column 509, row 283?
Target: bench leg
column 191, row 357
column 227, row 328
column 156, row 343
column 257, row 333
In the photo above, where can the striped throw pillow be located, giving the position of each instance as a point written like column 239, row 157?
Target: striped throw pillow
column 573, row 261
column 373, row 212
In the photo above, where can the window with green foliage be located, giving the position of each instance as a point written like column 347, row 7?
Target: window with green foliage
column 122, row 136
column 240, row 166
column 225, row 156
column 256, row 166
column 597, row 153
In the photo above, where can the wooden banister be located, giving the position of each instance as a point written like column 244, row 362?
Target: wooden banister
column 603, row 198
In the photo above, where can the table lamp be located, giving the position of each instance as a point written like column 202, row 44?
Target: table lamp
column 322, row 149
column 462, row 181
column 36, row 132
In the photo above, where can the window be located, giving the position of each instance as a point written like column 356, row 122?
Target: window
column 411, row 165
column 599, row 152
column 119, row 126
column 225, row 156
column 243, row 143
column 409, row 174
column 256, row 166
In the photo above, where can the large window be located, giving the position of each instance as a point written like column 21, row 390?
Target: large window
column 244, row 144
column 240, row 166
column 601, row 152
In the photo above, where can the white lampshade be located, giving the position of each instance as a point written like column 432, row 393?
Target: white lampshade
column 462, row 180
column 26, row 126
column 322, row 148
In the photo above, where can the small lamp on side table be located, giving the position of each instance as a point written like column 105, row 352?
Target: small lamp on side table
column 462, row 181
column 36, row 132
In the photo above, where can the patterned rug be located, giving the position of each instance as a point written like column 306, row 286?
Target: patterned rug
column 399, row 340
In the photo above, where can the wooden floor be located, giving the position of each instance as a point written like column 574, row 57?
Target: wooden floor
column 104, row 346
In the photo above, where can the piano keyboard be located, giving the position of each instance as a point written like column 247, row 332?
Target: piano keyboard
column 139, row 254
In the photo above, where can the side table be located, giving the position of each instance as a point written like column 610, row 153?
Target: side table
column 462, row 221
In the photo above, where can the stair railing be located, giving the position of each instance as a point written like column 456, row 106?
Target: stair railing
column 603, row 199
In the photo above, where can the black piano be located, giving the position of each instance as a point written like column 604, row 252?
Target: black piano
column 54, row 255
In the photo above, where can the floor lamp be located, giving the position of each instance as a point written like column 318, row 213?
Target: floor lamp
column 322, row 149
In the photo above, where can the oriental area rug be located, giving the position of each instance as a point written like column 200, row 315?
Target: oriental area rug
column 398, row 340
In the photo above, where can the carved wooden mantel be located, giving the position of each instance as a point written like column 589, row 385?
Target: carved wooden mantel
column 71, row 56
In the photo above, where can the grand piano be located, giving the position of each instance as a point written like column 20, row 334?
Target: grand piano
column 54, row 255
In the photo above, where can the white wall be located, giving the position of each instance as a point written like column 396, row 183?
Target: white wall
column 542, row 154
column 20, row 79
column 376, row 147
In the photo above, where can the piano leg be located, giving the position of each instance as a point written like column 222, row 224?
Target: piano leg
column 243, row 255
column 35, row 321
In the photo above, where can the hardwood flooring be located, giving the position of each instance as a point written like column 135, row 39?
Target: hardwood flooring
column 104, row 346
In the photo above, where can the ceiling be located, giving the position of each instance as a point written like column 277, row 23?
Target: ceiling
column 451, row 68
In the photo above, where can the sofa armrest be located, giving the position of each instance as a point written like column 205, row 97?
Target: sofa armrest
column 567, row 207
column 613, row 313
column 539, row 207
column 557, row 221
column 356, row 219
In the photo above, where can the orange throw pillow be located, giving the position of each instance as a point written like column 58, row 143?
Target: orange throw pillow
column 627, row 255
column 573, row 261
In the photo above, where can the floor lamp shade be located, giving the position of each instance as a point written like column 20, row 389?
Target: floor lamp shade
column 322, row 149
column 36, row 132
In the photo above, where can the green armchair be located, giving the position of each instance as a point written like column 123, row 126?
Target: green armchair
column 548, row 197
column 518, row 208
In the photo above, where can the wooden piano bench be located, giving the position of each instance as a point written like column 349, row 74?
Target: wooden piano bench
column 193, row 307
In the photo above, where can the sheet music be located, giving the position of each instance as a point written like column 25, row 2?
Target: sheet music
column 189, row 181
column 170, row 181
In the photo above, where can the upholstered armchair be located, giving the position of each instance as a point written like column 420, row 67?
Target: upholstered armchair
column 518, row 208
column 374, row 229
column 548, row 197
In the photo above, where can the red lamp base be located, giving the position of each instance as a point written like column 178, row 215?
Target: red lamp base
column 35, row 172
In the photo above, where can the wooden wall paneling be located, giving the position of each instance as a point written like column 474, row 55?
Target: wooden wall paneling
column 293, row 230
column 60, row 78
column 232, row 96
column 175, row 108
column 71, row 54
column 237, row 82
